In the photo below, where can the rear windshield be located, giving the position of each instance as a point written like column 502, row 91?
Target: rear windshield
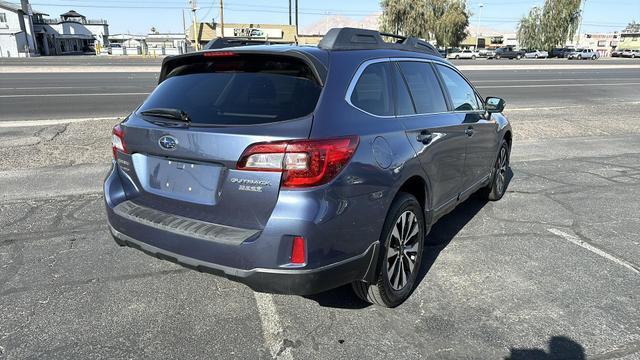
column 241, row 89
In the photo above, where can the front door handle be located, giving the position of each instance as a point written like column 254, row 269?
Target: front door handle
column 424, row 137
column 469, row 131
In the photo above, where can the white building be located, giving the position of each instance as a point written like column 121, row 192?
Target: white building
column 16, row 30
column 72, row 33
column 25, row 32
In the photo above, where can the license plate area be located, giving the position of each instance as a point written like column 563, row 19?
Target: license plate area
column 177, row 179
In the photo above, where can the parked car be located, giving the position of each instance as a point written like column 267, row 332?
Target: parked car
column 631, row 53
column 583, row 54
column 487, row 53
column 245, row 162
column 463, row 54
column 560, row 52
column 618, row 52
column 509, row 53
column 536, row 54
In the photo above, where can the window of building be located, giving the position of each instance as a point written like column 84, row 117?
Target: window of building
column 462, row 95
column 3, row 18
column 372, row 92
column 424, row 87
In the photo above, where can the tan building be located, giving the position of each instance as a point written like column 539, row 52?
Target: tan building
column 275, row 33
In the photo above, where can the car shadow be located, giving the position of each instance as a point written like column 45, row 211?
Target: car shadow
column 441, row 234
column 560, row 347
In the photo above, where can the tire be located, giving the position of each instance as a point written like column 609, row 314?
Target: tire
column 391, row 289
column 579, row 57
column 473, row 57
column 498, row 185
column 593, row 57
column 498, row 57
column 457, row 57
column 518, row 57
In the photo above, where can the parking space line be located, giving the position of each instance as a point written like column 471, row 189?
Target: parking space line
column 271, row 327
column 575, row 240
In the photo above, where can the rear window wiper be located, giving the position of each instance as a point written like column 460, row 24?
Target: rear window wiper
column 178, row 116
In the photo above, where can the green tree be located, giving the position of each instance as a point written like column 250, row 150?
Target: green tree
column 445, row 21
column 530, row 30
column 552, row 26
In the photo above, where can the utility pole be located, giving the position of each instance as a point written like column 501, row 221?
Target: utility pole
column 481, row 5
column 296, row 17
column 194, row 8
column 221, row 19
column 290, row 21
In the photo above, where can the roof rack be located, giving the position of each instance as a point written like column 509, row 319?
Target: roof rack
column 225, row 42
column 363, row 39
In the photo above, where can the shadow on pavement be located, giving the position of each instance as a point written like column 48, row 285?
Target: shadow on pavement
column 560, row 347
column 441, row 234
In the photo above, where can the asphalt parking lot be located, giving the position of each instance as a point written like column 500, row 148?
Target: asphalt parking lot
column 552, row 271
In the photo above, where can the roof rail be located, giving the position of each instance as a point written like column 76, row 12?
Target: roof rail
column 363, row 39
column 225, row 42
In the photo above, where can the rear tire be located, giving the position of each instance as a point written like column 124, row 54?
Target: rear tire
column 402, row 243
column 457, row 57
column 518, row 57
column 473, row 57
column 593, row 57
column 498, row 185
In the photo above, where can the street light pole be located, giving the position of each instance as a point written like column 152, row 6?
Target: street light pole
column 221, row 19
column 481, row 5
column 194, row 8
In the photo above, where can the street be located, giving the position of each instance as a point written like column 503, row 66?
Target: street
column 552, row 271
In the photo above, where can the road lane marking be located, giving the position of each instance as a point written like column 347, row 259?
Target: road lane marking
column 29, row 123
column 271, row 327
column 554, row 85
column 575, row 240
column 550, row 80
column 73, row 87
column 72, row 95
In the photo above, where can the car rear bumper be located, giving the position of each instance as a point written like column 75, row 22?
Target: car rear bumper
column 257, row 258
column 279, row 281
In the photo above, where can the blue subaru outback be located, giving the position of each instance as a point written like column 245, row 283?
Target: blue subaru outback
column 297, row 169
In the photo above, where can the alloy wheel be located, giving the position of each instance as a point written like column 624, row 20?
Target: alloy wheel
column 501, row 169
column 402, row 251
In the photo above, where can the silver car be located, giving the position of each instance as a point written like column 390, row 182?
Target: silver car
column 628, row 53
column 583, row 54
column 464, row 54
column 536, row 54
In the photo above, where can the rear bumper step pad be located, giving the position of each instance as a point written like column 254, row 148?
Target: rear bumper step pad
column 183, row 226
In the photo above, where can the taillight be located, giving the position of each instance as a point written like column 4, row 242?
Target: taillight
column 117, row 141
column 303, row 163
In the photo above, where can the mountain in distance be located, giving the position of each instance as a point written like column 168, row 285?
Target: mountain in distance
column 323, row 25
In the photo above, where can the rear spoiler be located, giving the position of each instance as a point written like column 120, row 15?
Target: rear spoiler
column 172, row 62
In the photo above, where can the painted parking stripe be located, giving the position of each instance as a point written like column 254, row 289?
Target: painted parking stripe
column 271, row 327
column 575, row 240
column 49, row 122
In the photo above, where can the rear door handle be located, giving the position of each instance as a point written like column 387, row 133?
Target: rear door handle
column 469, row 131
column 424, row 137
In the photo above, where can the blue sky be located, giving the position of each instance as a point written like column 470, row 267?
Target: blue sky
column 166, row 15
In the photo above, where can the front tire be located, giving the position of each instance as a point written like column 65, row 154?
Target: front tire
column 402, row 243
column 498, row 186
column 457, row 57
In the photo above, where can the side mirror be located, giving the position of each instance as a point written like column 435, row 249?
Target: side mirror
column 495, row 105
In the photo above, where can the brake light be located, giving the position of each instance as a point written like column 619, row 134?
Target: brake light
column 117, row 141
column 303, row 163
column 218, row 53
column 297, row 251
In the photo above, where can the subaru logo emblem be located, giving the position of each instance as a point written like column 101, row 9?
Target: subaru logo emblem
column 168, row 142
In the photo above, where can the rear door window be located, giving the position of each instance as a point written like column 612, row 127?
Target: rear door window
column 242, row 89
column 463, row 97
column 372, row 92
column 424, row 86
